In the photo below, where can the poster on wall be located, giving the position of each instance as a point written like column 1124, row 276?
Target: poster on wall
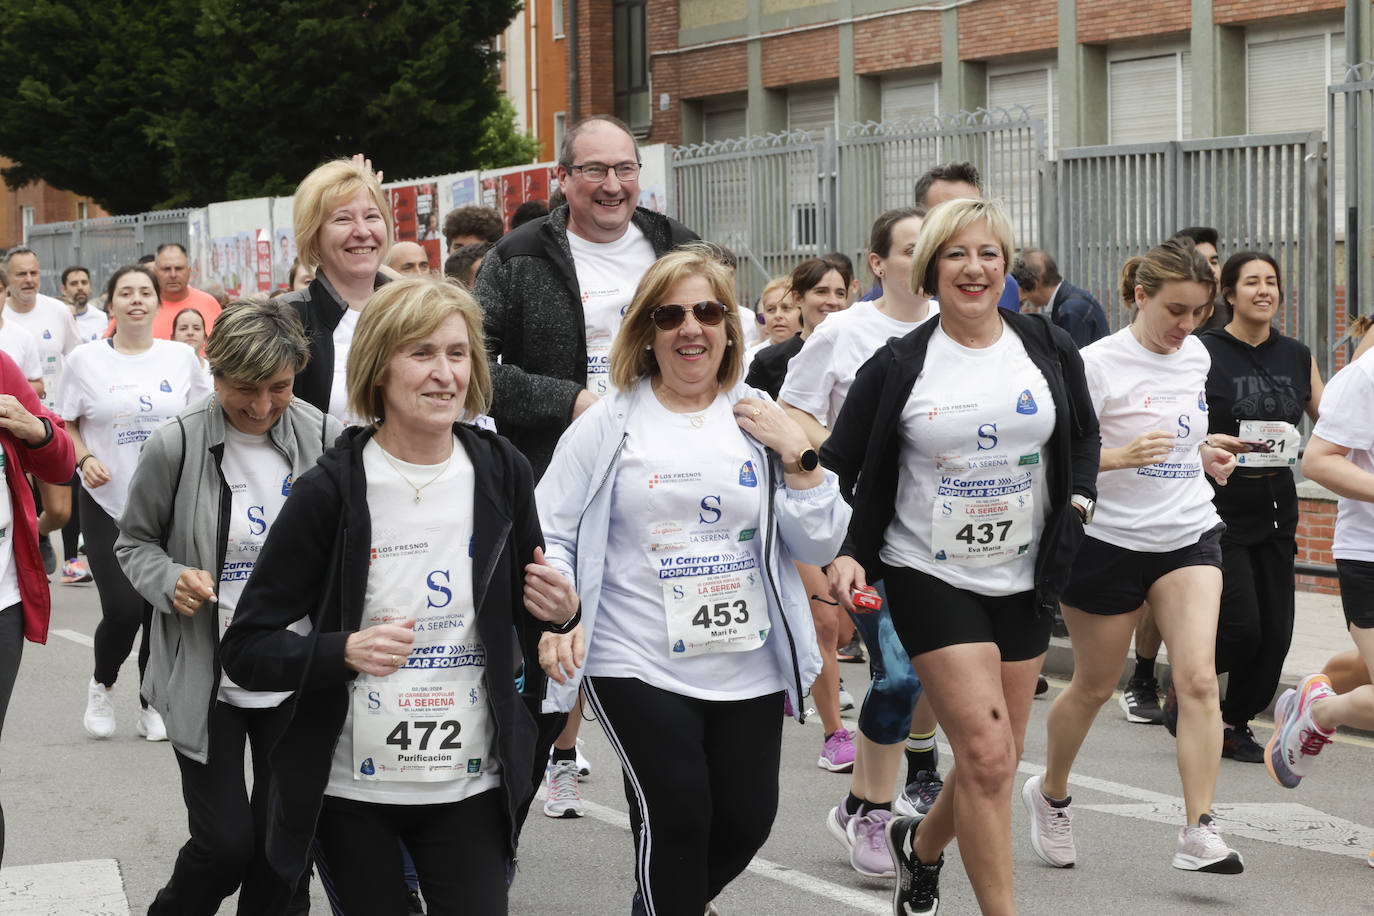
column 463, row 191
column 427, row 224
column 402, row 201
column 195, row 246
column 245, row 263
column 264, row 256
column 284, row 254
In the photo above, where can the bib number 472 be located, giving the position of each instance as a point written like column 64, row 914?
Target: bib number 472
column 719, row 614
column 400, row 735
column 986, row 533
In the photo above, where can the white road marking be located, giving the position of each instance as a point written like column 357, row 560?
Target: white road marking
column 90, row 888
column 848, row 896
column 79, row 638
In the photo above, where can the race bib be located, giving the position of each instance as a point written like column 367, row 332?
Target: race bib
column 420, row 726
column 598, row 362
column 979, row 518
column 713, row 598
column 1283, row 439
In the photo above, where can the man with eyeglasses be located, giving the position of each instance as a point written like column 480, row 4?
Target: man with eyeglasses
column 552, row 293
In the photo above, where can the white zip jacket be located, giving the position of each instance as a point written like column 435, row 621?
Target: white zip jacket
column 574, row 498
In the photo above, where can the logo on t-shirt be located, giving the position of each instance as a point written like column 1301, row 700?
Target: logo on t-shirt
column 165, row 386
column 1202, row 401
column 286, row 484
column 367, row 769
column 47, row 335
column 747, row 477
column 679, row 647
column 1025, row 403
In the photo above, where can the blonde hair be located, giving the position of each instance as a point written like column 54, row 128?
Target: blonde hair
column 943, row 223
column 1174, row 261
column 783, row 284
column 253, row 341
column 632, row 355
column 403, row 311
column 329, row 185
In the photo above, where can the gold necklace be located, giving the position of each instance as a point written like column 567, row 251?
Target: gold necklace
column 409, row 482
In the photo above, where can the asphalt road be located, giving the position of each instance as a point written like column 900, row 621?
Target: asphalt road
column 93, row 827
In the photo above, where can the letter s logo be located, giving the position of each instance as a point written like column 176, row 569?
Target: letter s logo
column 677, row 591
column 374, row 700
column 433, row 583
column 257, row 524
column 709, row 504
column 1184, row 425
column 145, row 404
column 987, row 437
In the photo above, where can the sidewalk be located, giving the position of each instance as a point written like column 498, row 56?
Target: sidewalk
column 1318, row 633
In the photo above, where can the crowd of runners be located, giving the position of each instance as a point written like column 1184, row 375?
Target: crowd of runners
column 396, row 535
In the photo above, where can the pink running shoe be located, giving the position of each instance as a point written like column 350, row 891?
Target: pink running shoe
column 869, row 855
column 837, row 755
column 1297, row 740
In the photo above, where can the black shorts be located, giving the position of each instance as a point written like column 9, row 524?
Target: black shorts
column 1110, row 580
column 929, row 613
column 1357, row 592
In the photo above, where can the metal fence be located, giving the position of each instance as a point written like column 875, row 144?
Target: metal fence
column 776, row 199
column 103, row 245
column 1264, row 193
column 1350, row 114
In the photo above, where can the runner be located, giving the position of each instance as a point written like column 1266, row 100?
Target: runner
column 407, row 547
column 1259, row 385
column 687, row 689
column 818, row 381
column 1156, row 536
column 115, row 392
column 190, row 557
column 971, row 435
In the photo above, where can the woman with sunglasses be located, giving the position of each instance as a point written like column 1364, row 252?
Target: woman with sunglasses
column 677, row 505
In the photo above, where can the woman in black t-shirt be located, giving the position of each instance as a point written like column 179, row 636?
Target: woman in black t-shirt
column 1260, row 384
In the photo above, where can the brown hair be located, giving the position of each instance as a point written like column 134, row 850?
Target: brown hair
column 1176, row 260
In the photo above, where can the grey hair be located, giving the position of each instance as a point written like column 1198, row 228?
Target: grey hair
column 253, row 341
column 18, row 249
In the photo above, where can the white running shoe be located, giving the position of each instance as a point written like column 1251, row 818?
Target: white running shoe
column 150, row 724
column 1201, row 848
column 564, row 797
column 846, row 701
column 1051, row 828
column 584, row 767
column 99, row 719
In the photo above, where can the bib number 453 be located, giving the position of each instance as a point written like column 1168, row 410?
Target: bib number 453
column 720, row 615
column 400, row 735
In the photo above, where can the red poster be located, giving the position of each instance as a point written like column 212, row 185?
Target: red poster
column 427, row 231
column 264, row 261
column 403, row 213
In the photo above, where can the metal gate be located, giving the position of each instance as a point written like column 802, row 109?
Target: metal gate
column 103, row 245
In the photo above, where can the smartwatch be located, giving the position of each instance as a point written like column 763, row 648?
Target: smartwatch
column 1085, row 507
column 808, row 460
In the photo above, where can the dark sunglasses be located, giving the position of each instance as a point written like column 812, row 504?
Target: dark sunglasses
column 671, row 317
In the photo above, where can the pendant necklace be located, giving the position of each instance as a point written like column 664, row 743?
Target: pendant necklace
column 409, row 482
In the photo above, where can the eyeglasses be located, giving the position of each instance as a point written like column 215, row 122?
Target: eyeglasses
column 596, row 173
column 671, row 317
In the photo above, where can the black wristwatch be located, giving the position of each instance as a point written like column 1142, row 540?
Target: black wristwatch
column 808, row 460
column 566, row 627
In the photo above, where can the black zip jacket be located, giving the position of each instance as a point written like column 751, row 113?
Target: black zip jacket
column 864, row 449
column 316, row 561
column 320, row 311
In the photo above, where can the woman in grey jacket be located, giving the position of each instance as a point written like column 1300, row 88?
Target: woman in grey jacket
column 207, row 489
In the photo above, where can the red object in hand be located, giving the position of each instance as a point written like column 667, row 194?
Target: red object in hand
column 866, row 598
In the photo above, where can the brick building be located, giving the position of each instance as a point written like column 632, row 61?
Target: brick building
column 38, row 202
column 534, row 73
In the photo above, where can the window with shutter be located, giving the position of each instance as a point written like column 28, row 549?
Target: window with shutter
column 907, row 98
column 1143, row 99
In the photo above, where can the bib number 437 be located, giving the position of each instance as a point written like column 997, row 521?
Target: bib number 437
column 985, row 532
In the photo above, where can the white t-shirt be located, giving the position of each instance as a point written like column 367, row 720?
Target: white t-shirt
column 9, row 576
column 607, row 274
column 687, row 500
column 819, row 376
column 54, row 331
column 971, row 496
column 338, row 388
column 20, row 346
column 1347, row 420
column 258, row 477
column 120, row 399
column 91, row 324
column 423, row 735
column 1164, row 506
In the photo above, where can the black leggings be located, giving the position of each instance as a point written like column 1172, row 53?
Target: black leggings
column 71, row 532
column 122, row 608
column 701, row 777
column 459, row 848
column 11, row 651
column 228, row 827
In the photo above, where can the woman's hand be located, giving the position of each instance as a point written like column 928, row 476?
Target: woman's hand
column 1218, row 462
column 549, row 595
column 365, row 162
column 380, row 650
column 1232, row 444
column 845, row 575
column 770, row 425
column 194, row 587
column 15, row 417
column 1146, row 449
column 94, row 473
column 561, row 654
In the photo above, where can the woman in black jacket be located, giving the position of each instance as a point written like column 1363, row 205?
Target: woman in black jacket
column 411, row 547
column 971, row 449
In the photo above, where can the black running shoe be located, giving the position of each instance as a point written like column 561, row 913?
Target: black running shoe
column 1041, row 685
column 917, row 892
column 854, row 652
column 1239, row 744
column 1140, row 701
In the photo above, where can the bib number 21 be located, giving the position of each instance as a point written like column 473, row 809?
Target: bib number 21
column 720, row 614
column 400, row 735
